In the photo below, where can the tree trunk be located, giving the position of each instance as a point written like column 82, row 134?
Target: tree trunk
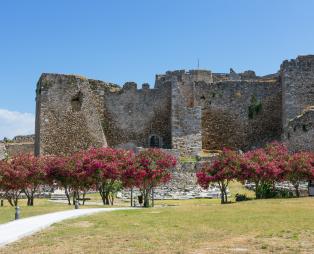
column 16, row 200
column 257, row 191
column 111, row 197
column 67, row 195
column 107, row 199
column 297, row 191
column 222, row 198
column 223, row 194
column 10, row 201
column 146, row 198
column 84, row 194
column 32, row 200
column 30, row 197
column 102, row 193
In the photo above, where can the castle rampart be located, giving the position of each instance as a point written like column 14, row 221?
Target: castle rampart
column 186, row 110
column 297, row 78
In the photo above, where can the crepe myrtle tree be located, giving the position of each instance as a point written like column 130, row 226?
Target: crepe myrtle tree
column 106, row 166
column 59, row 170
column 12, row 182
column 150, row 168
column 223, row 170
column 299, row 168
column 82, row 175
column 32, row 170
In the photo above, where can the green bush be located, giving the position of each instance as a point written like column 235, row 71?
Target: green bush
column 241, row 197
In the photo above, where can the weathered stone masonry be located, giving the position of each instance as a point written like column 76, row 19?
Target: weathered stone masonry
column 297, row 78
column 187, row 111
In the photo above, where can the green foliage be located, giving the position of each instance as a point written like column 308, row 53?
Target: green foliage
column 255, row 108
column 241, row 197
column 265, row 190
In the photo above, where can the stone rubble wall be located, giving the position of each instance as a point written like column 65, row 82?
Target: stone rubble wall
column 14, row 149
column 68, row 115
column 24, row 139
column 300, row 132
column 132, row 116
column 185, row 119
column 3, row 151
column 297, row 77
column 226, row 121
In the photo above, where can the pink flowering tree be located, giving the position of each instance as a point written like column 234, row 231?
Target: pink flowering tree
column 264, row 167
column 81, row 174
column 31, row 168
column 12, row 182
column 150, row 168
column 223, row 170
column 106, row 166
column 258, row 167
column 59, row 171
column 299, row 168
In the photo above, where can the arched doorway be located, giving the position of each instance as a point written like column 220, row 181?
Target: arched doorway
column 155, row 141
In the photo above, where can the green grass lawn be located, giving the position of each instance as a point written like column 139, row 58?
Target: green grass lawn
column 191, row 226
column 43, row 206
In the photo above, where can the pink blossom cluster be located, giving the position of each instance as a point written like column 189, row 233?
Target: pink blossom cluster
column 103, row 169
column 271, row 164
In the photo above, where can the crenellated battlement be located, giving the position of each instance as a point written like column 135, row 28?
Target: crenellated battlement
column 305, row 63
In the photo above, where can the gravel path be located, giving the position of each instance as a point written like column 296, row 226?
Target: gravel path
column 15, row 230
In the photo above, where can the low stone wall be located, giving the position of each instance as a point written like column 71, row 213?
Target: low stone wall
column 13, row 149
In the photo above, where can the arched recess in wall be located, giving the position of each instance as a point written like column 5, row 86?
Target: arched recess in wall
column 155, row 141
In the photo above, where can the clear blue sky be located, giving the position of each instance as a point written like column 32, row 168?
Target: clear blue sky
column 121, row 41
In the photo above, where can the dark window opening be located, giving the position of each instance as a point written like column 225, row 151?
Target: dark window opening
column 77, row 102
column 154, row 141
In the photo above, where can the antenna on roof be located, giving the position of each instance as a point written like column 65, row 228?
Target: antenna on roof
column 198, row 63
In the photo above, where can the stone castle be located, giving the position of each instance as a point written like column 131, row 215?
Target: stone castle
column 185, row 111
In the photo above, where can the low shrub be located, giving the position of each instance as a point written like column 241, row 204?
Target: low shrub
column 241, row 197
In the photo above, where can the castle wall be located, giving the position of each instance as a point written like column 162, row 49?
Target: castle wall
column 3, row 151
column 13, row 149
column 297, row 77
column 68, row 115
column 186, row 129
column 133, row 116
column 187, row 111
column 75, row 113
column 185, row 119
column 300, row 132
column 239, row 114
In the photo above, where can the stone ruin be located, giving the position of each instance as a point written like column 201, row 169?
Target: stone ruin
column 186, row 112
column 17, row 145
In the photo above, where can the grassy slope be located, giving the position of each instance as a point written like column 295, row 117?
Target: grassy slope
column 192, row 226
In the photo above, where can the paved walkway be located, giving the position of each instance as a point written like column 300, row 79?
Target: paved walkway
column 15, row 230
